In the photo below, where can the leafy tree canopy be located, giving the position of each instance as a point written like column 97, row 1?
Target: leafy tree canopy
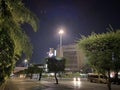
column 100, row 49
column 56, row 64
column 13, row 40
column 103, row 52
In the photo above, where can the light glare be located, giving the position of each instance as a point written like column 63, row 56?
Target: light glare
column 61, row 31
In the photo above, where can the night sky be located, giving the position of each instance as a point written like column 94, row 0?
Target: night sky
column 74, row 16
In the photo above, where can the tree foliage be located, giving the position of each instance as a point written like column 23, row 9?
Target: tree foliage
column 102, row 50
column 12, row 15
column 6, row 55
column 35, row 69
column 56, row 65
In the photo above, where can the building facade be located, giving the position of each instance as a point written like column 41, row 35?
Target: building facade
column 74, row 57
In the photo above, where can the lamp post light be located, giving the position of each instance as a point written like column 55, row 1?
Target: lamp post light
column 61, row 33
column 26, row 62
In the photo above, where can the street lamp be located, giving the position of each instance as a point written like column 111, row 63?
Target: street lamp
column 26, row 62
column 61, row 33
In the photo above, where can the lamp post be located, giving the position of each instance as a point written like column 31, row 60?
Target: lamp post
column 26, row 62
column 61, row 33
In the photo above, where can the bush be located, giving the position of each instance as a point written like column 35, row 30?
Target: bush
column 6, row 55
column 113, row 80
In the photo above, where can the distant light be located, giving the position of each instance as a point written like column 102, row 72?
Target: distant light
column 77, row 82
column 46, row 67
column 61, row 31
column 78, row 79
column 25, row 60
column 54, row 52
column 74, row 79
column 52, row 74
column 51, row 54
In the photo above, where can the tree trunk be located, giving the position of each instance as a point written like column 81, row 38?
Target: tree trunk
column 40, row 75
column 31, row 76
column 116, row 77
column 56, row 78
column 109, row 82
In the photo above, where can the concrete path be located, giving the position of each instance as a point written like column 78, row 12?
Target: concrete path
column 28, row 84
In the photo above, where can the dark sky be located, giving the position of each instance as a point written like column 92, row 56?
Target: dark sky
column 74, row 16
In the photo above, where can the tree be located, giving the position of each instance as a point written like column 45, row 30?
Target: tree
column 39, row 69
column 86, row 69
column 35, row 69
column 6, row 53
column 56, row 65
column 13, row 14
column 99, row 49
column 20, row 15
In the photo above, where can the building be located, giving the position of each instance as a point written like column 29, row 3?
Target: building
column 74, row 57
column 51, row 52
column 17, row 69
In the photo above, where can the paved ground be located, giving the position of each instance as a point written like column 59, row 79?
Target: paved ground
column 27, row 84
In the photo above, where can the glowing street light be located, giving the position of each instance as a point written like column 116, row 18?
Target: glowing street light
column 26, row 62
column 61, row 33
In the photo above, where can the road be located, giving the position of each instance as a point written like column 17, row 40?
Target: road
column 27, row 84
